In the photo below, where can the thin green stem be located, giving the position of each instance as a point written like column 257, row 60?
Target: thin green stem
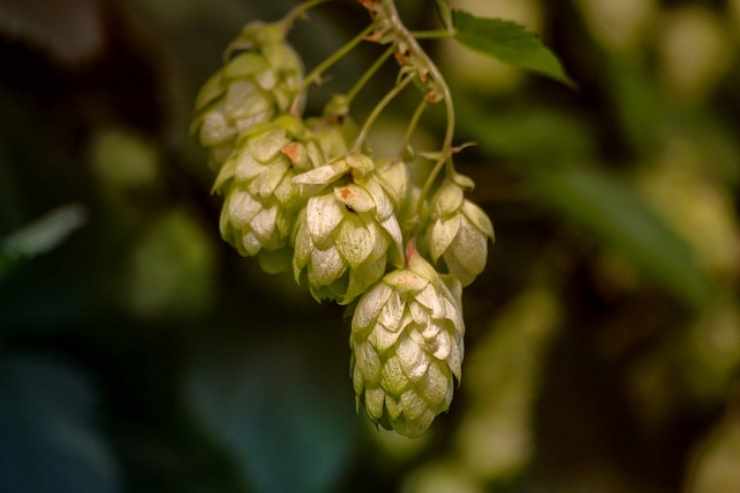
column 378, row 110
column 369, row 74
column 317, row 72
column 403, row 35
column 300, row 11
column 436, row 34
column 446, row 156
column 447, row 150
column 414, row 124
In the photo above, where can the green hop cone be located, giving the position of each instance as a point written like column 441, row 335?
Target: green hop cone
column 345, row 237
column 261, row 201
column 407, row 345
column 458, row 233
column 261, row 81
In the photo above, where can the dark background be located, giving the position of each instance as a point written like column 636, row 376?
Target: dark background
column 140, row 353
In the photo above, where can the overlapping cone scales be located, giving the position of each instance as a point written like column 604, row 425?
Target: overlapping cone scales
column 407, row 345
column 346, row 236
column 261, row 201
column 458, row 233
column 252, row 88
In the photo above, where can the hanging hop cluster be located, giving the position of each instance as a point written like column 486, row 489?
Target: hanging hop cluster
column 307, row 194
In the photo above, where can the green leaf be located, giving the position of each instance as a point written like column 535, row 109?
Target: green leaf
column 508, row 42
column 616, row 215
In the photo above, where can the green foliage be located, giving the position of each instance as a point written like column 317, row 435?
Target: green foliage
column 51, row 441
column 287, row 426
column 535, row 134
column 171, row 270
column 617, row 216
column 549, row 144
column 445, row 13
column 509, row 43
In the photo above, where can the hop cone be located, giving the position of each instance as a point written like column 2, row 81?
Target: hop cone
column 344, row 237
column 458, row 233
column 260, row 82
column 261, row 200
column 407, row 344
column 332, row 135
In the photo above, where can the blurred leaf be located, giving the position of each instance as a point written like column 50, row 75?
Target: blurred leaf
column 70, row 30
column 49, row 441
column 508, row 42
column 607, row 207
column 41, row 236
column 533, row 134
column 644, row 111
column 496, row 436
column 719, row 145
column 124, row 160
column 441, row 477
column 282, row 418
column 619, row 218
column 171, row 272
column 445, row 13
column 715, row 458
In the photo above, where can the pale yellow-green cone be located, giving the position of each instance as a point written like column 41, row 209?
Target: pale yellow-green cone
column 346, row 235
column 261, row 202
column 407, row 347
column 261, row 81
column 458, row 233
column 333, row 135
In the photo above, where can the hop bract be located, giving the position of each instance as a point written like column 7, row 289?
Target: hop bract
column 458, row 233
column 261, row 81
column 345, row 236
column 261, row 200
column 407, row 344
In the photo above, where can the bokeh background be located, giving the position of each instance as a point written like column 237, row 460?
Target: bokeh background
column 138, row 353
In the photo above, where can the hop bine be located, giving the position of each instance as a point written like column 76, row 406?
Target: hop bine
column 344, row 238
column 296, row 194
column 458, row 233
column 407, row 345
column 261, row 79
